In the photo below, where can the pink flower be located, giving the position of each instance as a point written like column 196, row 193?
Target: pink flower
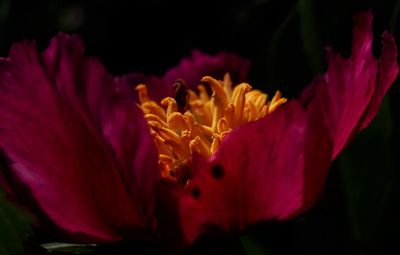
column 78, row 142
column 274, row 168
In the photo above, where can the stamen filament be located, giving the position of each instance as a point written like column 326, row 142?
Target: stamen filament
column 202, row 124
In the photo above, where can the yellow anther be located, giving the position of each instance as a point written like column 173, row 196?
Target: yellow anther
column 165, row 133
column 186, row 137
column 207, row 114
column 154, row 118
column 171, row 105
column 178, row 150
column 215, row 144
column 198, row 146
column 205, row 130
column 143, row 93
column 261, row 101
column 161, row 146
column 253, row 111
column 203, row 93
column 263, row 112
column 253, row 95
column 152, row 107
column 238, row 100
column 222, row 125
column 190, row 121
column 228, row 85
column 219, row 95
column 202, row 111
column 276, row 101
column 177, row 122
column 192, row 96
column 205, row 123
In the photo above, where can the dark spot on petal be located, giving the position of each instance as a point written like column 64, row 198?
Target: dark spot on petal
column 217, row 171
column 196, row 192
column 181, row 95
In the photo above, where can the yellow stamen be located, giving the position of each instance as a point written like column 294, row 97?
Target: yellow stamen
column 152, row 117
column 177, row 122
column 238, row 100
column 197, row 145
column 143, row 94
column 276, row 101
column 151, row 107
column 205, row 124
column 171, row 105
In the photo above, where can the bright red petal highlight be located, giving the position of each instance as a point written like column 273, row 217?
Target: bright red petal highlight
column 259, row 173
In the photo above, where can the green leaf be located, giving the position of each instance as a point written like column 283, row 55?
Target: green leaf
column 15, row 227
column 367, row 174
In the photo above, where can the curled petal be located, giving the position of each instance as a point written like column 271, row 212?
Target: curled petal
column 351, row 90
column 56, row 111
column 387, row 73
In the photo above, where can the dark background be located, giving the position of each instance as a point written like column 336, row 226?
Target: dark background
column 284, row 39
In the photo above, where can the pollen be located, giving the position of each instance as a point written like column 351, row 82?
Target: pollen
column 197, row 122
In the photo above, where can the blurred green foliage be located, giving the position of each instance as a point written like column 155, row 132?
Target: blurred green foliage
column 15, row 228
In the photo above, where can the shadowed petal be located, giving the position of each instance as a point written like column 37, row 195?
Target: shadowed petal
column 350, row 92
column 156, row 87
column 193, row 68
column 109, row 104
column 55, row 138
column 387, row 73
column 258, row 173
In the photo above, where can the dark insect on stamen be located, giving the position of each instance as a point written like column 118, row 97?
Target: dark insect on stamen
column 217, row 171
column 181, row 95
column 196, row 192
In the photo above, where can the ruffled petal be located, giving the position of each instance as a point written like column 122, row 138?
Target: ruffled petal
column 387, row 73
column 259, row 173
column 54, row 136
column 350, row 92
column 109, row 104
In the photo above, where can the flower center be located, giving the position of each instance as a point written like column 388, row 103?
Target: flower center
column 194, row 122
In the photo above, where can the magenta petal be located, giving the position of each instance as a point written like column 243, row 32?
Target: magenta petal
column 109, row 104
column 193, row 68
column 258, row 173
column 157, row 89
column 55, row 138
column 350, row 92
column 387, row 73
